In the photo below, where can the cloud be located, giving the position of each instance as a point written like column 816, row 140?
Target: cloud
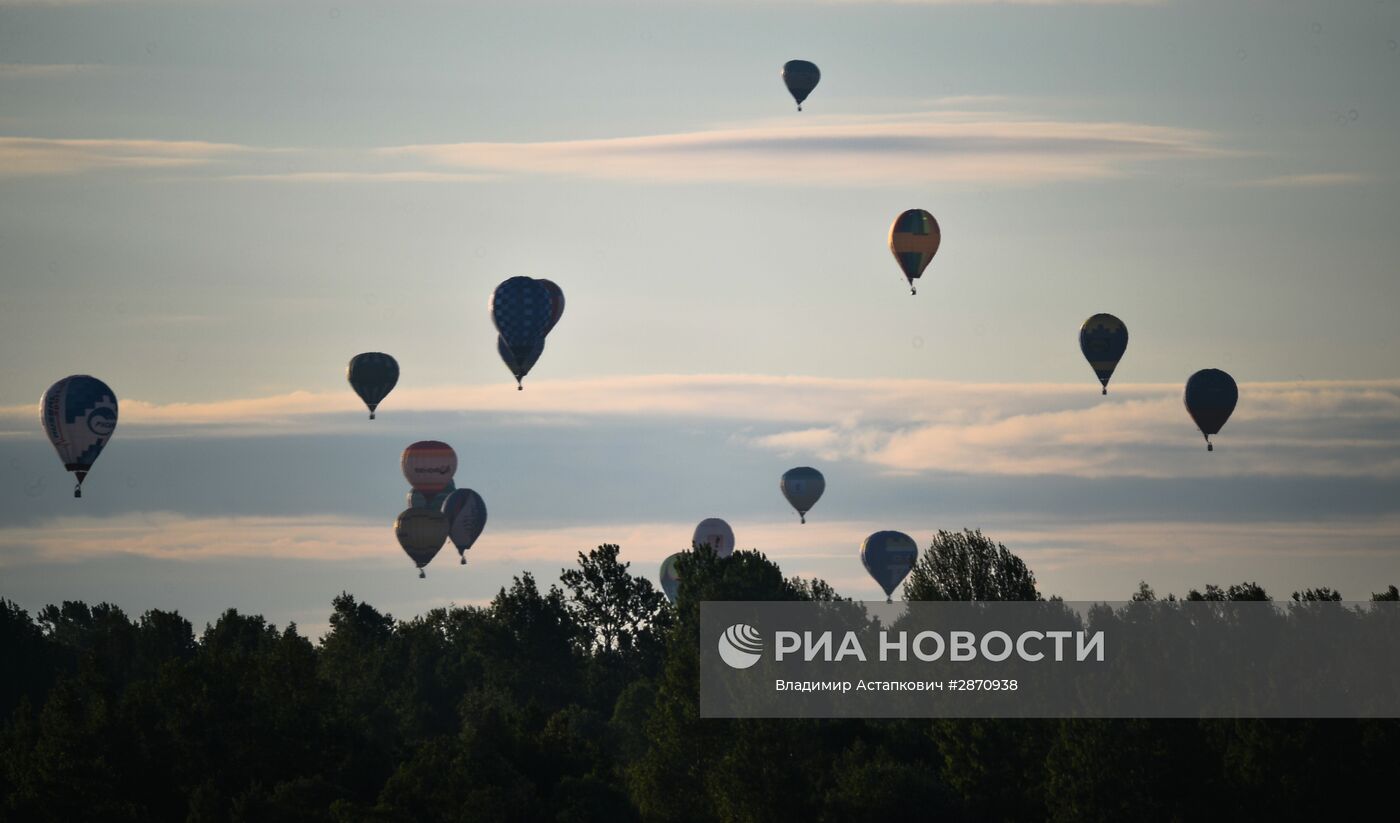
column 17, row 70
column 1307, row 180
column 29, row 156
column 1304, row 428
column 1078, row 560
column 360, row 177
column 945, row 147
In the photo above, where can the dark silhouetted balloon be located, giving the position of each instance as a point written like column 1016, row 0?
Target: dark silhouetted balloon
column 800, row 77
column 79, row 414
column 670, row 583
column 418, row 500
column 556, row 303
column 1211, row 395
column 466, row 517
column 421, row 533
column 803, row 487
column 372, row 375
column 889, row 556
column 914, row 240
column 519, row 363
column 1103, row 338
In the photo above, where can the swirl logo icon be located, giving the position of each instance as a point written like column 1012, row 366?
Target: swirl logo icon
column 740, row 646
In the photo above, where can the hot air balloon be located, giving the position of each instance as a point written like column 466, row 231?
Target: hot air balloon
column 418, row 500
column 519, row 363
column 556, row 303
column 466, row 517
column 372, row 375
column 716, row 534
column 1211, row 395
column 914, row 240
column 428, row 465
column 1103, row 338
column 803, row 487
column 421, row 533
column 522, row 309
column 889, row 556
column 670, row 583
column 79, row 414
column 800, row 77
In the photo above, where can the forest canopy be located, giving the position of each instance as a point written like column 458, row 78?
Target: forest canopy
column 579, row 702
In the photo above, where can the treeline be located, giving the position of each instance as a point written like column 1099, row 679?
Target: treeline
column 580, row 703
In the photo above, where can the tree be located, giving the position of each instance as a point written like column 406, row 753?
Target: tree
column 1323, row 594
column 621, row 612
column 1237, row 593
column 969, row 566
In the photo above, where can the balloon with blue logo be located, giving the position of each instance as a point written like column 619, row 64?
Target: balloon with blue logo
column 79, row 414
column 1211, row 395
column 372, row 375
column 521, row 309
column 419, row 500
column 803, row 487
column 1103, row 338
column 888, row 556
column 520, row 362
column 466, row 517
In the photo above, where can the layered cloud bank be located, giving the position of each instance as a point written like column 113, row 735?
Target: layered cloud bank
column 1305, row 428
column 946, row 146
column 981, row 147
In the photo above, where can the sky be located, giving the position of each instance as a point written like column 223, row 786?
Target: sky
column 212, row 205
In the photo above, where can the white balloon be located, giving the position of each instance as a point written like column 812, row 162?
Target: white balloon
column 716, row 534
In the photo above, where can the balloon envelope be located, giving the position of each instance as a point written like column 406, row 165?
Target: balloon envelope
column 800, row 77
column 522, row 361
column 803, row 487
column 914, row 240
column 372, row 375
column 1103, row 338
column 418, row 500
column 670, row 583
column 716, row 534
column 889, row 556
column 1210, row 398
column 521, row 310
column 79, row 414
column 428, row 466
column 556, row 303
column 421, row 533
column 466, row 517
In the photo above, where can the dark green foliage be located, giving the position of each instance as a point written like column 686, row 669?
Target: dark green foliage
column 580, row 703
column 969, row 566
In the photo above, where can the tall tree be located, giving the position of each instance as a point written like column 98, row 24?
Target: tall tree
column 969, row 566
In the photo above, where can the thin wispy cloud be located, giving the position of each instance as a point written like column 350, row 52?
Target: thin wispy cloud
column 40, row 70
column 26, row 156
column 1307, row 180
column 360, row 177
column 1071, row 558
column 1308, row 428
column 945, row 147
